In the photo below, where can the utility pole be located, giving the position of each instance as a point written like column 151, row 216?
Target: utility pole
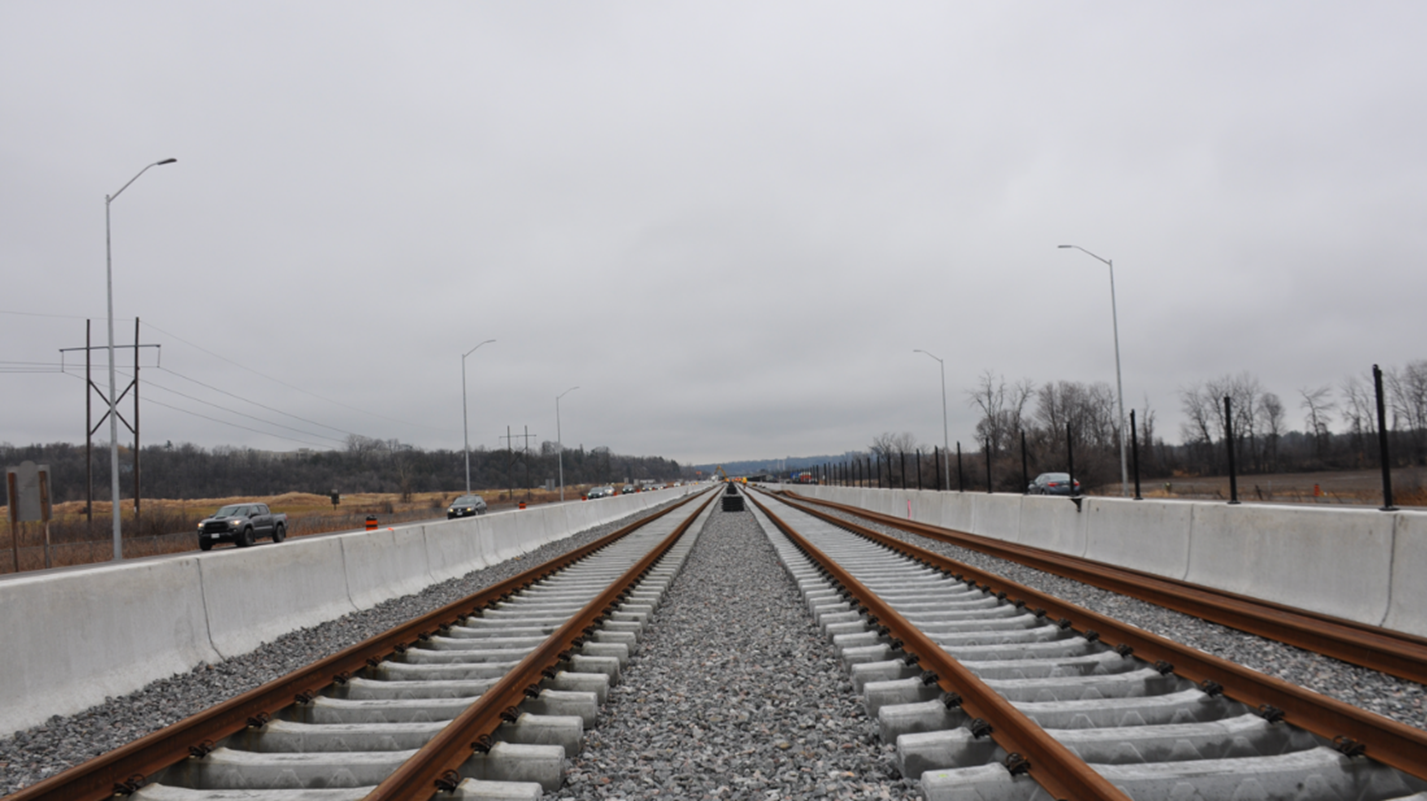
column 509, row 464
column 91, row 427
column 510, row 460
column 525, row 456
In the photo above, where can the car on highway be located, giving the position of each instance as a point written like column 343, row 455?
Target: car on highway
column 600, row 492
column 1052, row 484
column 465, row 506
column 628, row 489
column 241, row 524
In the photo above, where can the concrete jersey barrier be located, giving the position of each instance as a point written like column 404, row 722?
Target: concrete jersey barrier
column 78, row 635
column 1360, row 564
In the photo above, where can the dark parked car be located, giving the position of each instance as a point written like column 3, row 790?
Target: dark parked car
column 1053, row 484
column 465, row 506
column 241, row 524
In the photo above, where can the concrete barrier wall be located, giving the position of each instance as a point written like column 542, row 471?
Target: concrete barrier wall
column 74, row 637
column 77, row 635
column 1360, row 564
column 1148, row 536
column 1408, row 604
column 1338, row 562
column 303, row 583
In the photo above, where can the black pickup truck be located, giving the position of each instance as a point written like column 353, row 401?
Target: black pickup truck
column 241, row 524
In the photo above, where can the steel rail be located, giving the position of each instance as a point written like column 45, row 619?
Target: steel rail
column 1352, row 730
column 1397, row 653
column 125, row 768
column 1055, row 767
column 435, row 767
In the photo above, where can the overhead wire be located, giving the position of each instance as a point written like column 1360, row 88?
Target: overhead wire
column 234, row 425
column 151, row 384
column 7, row 366
column 177, row 374
column 290, row 386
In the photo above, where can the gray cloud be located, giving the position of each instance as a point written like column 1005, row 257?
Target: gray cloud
column 730, row 225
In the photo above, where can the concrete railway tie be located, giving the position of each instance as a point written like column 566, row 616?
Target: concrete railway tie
column 1150, row 733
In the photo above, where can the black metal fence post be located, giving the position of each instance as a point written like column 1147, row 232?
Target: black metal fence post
column 919, row 469
column 937, row 455
column 1387, row 505
column 1229, row 444
column 1070, row 459
column 1135, row 453
column 960, row 476
column 988, row 467
column 1025, row 468
column 902, row 456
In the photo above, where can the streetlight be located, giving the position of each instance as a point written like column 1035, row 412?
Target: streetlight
column 945, row 440
column 560, row 446
column 1119, row 385
column 465, row 424
column 113, row 401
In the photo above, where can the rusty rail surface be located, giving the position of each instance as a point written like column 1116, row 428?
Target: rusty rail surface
column 124, row 769
column 1351, row 729
column 436, row 766
column 1396, row 653
column 1032, row 750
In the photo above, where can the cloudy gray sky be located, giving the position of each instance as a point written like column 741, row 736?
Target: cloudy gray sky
column 729, row 223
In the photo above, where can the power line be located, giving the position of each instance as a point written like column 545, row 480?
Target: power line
column 29, row 367
column 150, row 383
column 255, row 403
column 234, row 425
column 41, row 314
column 291, row 386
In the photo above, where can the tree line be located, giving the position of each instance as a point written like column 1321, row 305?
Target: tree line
column 186, row 470
column 1339, row 431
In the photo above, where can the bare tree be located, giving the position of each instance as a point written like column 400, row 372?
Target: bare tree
column 890, row 448
column 1270, row 414
column 887, row 444
column 1003, row 409
column 1359, row 412
column 1407, row 390
column 1319, row 403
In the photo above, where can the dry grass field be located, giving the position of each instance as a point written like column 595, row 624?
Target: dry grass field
column 1334, row 488
column 169, row 526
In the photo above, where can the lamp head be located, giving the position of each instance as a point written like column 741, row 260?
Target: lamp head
column 167, row 161
column 1065, row 246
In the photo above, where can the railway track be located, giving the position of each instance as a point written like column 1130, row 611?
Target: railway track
column 992, row 690
column 1392, row 652
column 484, row 698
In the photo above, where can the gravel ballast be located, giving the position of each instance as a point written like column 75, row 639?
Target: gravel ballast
column 733, row 693
column 63, row 742
column 1399, row 699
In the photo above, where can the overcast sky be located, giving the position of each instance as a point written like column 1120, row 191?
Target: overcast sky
column 729, row 224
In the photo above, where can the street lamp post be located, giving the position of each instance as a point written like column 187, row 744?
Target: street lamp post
column 559, row 444
column 1119, row 384
column 945, row 439
column 114, row 401
column 465, row 423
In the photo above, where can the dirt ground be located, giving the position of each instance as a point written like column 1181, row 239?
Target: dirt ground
column 168, row 526
column 1343, row 487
